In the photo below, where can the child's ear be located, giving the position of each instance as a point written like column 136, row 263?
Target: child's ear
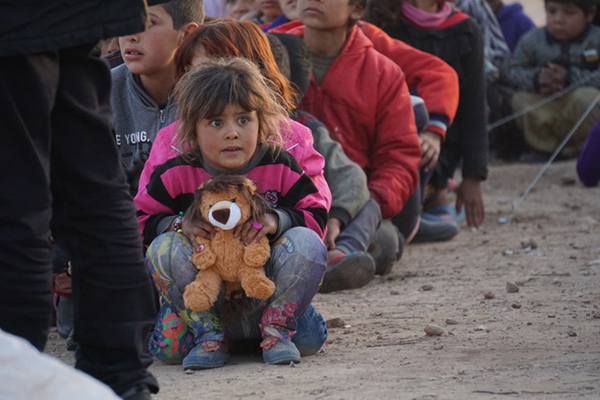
column 591, row 14
column 187, row 29
column 357, row 12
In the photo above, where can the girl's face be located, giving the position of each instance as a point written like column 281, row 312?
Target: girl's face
column 330, row 14
column 290, row 9
column 229, row 141
column 238, row 8
column 270, row 9
column 566, row 21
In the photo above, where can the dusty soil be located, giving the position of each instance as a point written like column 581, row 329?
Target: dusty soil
column 542, row 342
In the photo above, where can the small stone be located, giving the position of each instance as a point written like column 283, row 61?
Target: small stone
column 529, row 243
column 512, row 287
column 508, row 252
column 438, row 346
column 335, row 323
column 488, row 295
column 572, row 333
column 577, row 246
column 515, row 305
column 189, row 372
column 394, row 292
column 426, row 287
column 434, row 330
column 451, row 321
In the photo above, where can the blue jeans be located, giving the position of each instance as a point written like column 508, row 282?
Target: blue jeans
column 296, row 265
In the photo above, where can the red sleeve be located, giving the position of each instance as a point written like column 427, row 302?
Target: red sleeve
column 427, row 76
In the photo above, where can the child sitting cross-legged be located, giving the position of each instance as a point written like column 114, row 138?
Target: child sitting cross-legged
column 548, row 60
column 230, row 120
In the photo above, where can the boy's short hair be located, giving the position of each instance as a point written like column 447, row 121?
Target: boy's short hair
column 185, row 11
column 586, row 5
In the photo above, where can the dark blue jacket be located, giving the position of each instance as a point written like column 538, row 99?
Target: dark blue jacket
column 514, row 23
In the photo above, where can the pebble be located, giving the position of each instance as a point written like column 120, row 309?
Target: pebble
column 529, row 243
column 434, row 330
column 335, row 323
column 451, row 321
column 438, row 346
column 515, row 305
column 511, row 287
column 426, row 287
column 488, row 295
column 572, row 333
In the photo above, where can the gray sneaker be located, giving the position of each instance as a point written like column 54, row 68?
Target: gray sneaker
column 351, row 272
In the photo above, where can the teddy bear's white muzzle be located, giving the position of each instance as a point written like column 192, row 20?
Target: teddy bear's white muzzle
column 220, row 208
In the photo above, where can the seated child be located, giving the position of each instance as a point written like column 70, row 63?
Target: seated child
column 547, row 60
column 230, row 122
column 141, row 97
column 440, row 29
column 372, row 119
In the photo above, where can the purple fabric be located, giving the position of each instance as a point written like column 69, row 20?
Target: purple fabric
column 514, row 23
column 588, row 164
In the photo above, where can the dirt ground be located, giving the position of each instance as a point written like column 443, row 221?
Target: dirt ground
column 542, row 342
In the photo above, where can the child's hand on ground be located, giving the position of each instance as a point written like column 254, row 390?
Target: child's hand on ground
column 253, row 231
column 334, row 227
column 430, row 149
column 468, row 194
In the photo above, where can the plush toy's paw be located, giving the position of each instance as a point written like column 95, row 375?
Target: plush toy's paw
column 196, row 298
column 260, row 288
column 204, row 259
column 257, row 254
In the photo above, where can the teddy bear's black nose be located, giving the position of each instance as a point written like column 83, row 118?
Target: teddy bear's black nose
column 222, row 215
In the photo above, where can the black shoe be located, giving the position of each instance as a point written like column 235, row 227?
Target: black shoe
column 351, row 272
column 435, row 231
column 139, row 392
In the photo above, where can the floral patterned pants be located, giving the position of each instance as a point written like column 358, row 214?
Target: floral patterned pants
column 297, row 264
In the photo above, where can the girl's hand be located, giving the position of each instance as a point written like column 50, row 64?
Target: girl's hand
column 430, row 149
column 253, row 231
column 334, row 227
column 202, row 228
column 469, row 194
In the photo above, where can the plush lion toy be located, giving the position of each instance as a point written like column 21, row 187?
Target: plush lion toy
column 227, row 201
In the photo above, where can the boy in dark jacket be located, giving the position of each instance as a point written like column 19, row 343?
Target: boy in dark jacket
column 547, row 60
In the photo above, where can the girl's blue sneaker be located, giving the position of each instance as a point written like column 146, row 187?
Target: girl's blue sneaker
column 282, row 352
column 207, row 354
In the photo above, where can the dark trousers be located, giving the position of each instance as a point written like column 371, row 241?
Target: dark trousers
column 59, row 165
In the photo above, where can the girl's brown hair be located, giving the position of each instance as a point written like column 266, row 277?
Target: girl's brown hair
column 205, row 91
column 233, row 38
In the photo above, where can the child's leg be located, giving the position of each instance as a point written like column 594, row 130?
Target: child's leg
column 538, row 124
column 297, row 265
column 353, row 267
column 169, row 261
column 311, row 332
column 575, row 105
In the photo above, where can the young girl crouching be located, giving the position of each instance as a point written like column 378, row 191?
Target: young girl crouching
column 231, row 116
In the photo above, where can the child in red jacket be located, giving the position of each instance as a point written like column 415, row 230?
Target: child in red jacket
column 363, row 98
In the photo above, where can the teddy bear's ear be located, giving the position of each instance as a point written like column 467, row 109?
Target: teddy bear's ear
column 248, row 184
